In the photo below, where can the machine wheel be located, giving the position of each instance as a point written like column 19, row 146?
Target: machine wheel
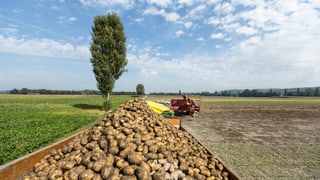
column 194, row 113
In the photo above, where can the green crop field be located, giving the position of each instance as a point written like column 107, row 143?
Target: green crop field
column 30, row 122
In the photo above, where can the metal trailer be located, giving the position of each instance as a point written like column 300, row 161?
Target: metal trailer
column 15, row 169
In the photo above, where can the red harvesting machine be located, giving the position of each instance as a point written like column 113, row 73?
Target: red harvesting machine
column 191, row 106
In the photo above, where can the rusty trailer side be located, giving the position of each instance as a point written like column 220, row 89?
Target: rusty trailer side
column 16, row 168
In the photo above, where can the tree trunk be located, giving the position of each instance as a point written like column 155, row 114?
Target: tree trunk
column 107, row 104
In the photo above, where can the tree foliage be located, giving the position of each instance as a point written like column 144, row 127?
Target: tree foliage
column 140, row 89
column 24, row 91
column 108, row 51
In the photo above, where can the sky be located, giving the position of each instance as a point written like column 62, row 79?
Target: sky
column 172, row 45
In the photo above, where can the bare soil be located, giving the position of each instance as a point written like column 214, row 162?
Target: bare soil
column 262, row 141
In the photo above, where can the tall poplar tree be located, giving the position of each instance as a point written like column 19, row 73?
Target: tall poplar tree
column 108, row 53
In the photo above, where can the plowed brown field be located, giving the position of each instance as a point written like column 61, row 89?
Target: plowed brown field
column 262, row 141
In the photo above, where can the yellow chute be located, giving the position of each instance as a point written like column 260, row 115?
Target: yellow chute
column 158, row 108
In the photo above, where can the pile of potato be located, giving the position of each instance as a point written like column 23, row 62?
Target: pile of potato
column 130, row 143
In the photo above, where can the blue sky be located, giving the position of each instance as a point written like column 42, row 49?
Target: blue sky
column 188, row 45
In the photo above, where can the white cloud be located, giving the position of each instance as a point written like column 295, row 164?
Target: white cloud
column 43, row 47
column 162, row 3
column 188, row 24
column 217, row 46
column 224, row 8
column 212, row 20
column 178, row 33
column 227, row 8
column 246, row 30
column 138, row 20
column 54, row 7
column 186, row 2
column 9, row 30
column 211, row 2
column 68, row 20
column 200, row 39
column 197, row 10
column 127, row 4
column 250, row 42
column 172, row 16
column 217, row 36
column 230, row 27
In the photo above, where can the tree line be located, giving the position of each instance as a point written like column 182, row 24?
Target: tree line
column 64, row 92
column 312, row 91
column 139, row 91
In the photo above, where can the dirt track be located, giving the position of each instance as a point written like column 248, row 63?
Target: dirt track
column 262, row 141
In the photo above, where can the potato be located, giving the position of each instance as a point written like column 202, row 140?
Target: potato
column 128, row 177
column 219, row 166
column 142, row 174
column 121, row 163
column 153, row 148
column 137, row 136
column 151, row 156
column 66, row 175
column 97, row 177
column 55, row 174
column 103, row 143
column 128, row 170
column 114, row 177
column 135, row 158
column 40, row 166
column 97, row 155
column 67, row 165
column 78, row 158
column 113, row 150
column 26, row 177
column 225, row 174
column 158, row 176
column 74, row 172
column 106, row 171
column 115, row 123
column 147, row 136
column 87, row 174
column 53, row 152
column 92, row 145
column 205, row 171
column 211, row 166
column 140, row 148
column 121, row 136
column 122, row 144
column 126, row 131
column 183, row 166
column 109, row 160
column 95, row 135
column 146, row 166
column 86, row 158
column 129, row 148
column 97, row 166
column 200, row 177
